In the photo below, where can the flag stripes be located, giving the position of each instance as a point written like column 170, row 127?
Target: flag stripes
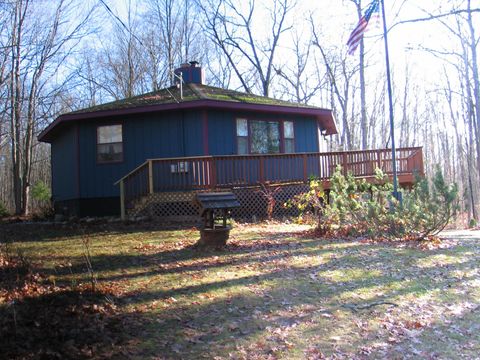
column 357, row 33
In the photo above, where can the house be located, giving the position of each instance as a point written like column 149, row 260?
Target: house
column 105, row 159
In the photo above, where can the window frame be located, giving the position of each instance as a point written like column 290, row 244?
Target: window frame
column 97, row 144
column 266, row 122
column 281, row 126
column 238, row 137
column 284, row 138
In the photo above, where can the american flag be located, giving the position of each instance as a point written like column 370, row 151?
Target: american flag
column 357, row 33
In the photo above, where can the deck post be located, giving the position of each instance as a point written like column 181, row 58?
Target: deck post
column 305, row 167
column 261, row 169
column 344, row 164
column 213, row 165
column 122, row 200
column 379, row 159
column 150, row 176
column 420, row 162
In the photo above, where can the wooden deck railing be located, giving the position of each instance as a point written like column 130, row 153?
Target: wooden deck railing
column 204, row 172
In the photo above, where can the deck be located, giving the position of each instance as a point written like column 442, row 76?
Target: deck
column 215, row 172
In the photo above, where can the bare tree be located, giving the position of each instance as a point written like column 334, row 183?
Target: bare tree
column 181, row 39
column 361, row 70
column 338, row 71
column 463, row 154
column 465, row 63
column 299, row 82
column 123, row 58
column 221, row 72
column 39, row 43
column 472, row 42
column 230, row 25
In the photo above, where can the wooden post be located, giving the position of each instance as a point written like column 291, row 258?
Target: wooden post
column 305, row 167
column 213, row 165
column 122, row 200
column 261, row 169
column 411, row 163
column 420, row 162
column 379, row 159
column 150, row 176
column 344, row 163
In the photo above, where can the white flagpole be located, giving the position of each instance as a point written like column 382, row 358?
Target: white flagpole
column 396, row 193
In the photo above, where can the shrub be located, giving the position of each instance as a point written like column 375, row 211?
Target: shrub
column 42, row 194
column 430, row 207
column 359, row 208
column 472, row 223
column 3, row 210
column 268, row 192
column 312, row 201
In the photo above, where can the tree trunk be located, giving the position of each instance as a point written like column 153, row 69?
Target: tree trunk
column 476, row 82
column 16, row 105
column 363, row 101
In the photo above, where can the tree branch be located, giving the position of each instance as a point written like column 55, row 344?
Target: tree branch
column 434, row 17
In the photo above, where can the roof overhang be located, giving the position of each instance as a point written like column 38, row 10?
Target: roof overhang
column 324, row 116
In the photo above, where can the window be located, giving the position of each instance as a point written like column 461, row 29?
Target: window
column 265, row 137
column 242, row 136
column 179, row 167
column 289, row 137
column 109, row 144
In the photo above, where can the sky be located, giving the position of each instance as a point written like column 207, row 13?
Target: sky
column 404, row 40
column 336, row 18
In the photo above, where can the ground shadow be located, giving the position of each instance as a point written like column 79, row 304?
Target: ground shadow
column 31, row 231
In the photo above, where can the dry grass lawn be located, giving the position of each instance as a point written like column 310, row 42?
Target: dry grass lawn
column 272, row 293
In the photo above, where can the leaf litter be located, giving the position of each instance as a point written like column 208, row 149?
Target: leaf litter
column 271, row 293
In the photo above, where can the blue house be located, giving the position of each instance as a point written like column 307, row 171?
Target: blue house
column 187, row 137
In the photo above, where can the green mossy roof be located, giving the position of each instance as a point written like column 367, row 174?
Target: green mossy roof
column 191, row 92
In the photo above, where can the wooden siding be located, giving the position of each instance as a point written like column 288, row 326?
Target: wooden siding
column 64, row 165
column 76, row 174
column 306, row 135
column 222, row 131
column 173, row 134
column 193, row 130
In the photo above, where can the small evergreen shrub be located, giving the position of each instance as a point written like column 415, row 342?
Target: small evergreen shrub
column 429, row 208
column 359, row 208
column 472, row 223
column 42, row 194
column 3, row 210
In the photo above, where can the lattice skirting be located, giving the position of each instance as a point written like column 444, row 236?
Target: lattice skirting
column 253, row 203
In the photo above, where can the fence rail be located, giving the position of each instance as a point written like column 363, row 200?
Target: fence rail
column 210, row 172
